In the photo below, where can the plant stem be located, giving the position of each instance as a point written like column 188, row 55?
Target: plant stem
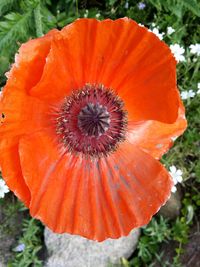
column 38, row 21
column 77, row 14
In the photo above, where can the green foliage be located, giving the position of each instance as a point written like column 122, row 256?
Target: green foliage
column 180, row 230
column 7, row 5
column 193, row 6
column 27, row 231
column 31, row 239
column 177, row 7
column 19, row 21
column 13, row 29
column 153, row 235
column 160, row 230
column 9, row 208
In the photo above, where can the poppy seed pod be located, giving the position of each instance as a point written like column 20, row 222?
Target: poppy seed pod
column 87, row 112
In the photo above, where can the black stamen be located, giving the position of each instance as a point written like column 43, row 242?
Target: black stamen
column 93, row 120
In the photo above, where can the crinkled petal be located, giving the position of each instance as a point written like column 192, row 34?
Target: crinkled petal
column 29, row 63
column 11, row 168
column 119, row 54
column 19, row 112
column 57, row 80
column 22, row 114
column 156, row 137
column 97, row 199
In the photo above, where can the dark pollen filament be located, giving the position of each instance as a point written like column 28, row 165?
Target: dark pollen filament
column 94, row 120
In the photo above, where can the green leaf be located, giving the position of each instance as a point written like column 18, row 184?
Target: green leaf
column 156, row 3
column 190, row 214
column 112, row 2
column 7, row 5
column 4, row 63
column 125, row 263
column 38, row 20
column 13, row 29
column 48, row 20
column 193, row 6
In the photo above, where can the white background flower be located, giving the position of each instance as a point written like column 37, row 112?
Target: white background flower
column 142, row 25
column 157, row 33
column 187, row 94
column 170, row 30
column 176, row 175
column 3, row 188
column 141, row 6
column 98, row 15
column 126, row 5
column 20, row 247
column 86, row 13
column 198, row 86
column 195, row 49
column 178, row 52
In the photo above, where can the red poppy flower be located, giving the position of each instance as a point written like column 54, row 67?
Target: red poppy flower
column 86, row 113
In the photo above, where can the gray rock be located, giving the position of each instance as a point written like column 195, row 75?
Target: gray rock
column 2, row 264
column 74, row 251
column 173, row 206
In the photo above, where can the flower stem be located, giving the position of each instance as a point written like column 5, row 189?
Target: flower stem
column 38, row 21
column 77, row 14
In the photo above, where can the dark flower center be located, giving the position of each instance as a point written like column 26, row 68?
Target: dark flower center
column 92, row 121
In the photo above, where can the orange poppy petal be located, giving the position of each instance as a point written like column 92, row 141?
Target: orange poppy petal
column 119, row 54
column 57, row 81
column 11, row 169
column 131, row 60
column 21, row 114
column 96, row 199
column 139, row 185
column 29, row 63
column 156, row 137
